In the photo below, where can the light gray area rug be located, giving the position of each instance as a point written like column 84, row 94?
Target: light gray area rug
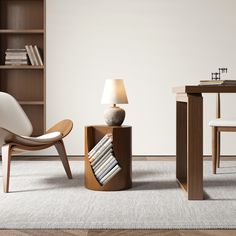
column 42, row 197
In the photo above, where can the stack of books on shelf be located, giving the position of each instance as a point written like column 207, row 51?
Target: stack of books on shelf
column 19, row 56
column 34, row 55
column 103, row 162
column 16, row 57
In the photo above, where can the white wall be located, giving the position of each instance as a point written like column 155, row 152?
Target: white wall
column 154, row 45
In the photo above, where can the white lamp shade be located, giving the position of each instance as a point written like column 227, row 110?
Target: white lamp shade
column 114, row 92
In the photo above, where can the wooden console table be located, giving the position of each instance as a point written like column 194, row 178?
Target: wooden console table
column 189, row 136
column 122, row 149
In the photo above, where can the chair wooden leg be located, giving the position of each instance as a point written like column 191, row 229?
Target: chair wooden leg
column 6, row 162
column 214, row 149
column 62, row 153
column 218, row 150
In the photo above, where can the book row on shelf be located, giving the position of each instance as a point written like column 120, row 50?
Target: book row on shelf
column 102, row 160
column 24, row 56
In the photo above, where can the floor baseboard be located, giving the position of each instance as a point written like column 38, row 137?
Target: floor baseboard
column 135, row 158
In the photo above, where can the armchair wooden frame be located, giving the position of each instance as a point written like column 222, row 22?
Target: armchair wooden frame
column 14, row 143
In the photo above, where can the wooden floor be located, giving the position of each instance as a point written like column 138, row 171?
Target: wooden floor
column 118, row 232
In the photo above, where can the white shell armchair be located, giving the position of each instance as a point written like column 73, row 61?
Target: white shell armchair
column 15, row 131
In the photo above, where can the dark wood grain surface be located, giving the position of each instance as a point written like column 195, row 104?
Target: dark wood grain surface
column 205, row 89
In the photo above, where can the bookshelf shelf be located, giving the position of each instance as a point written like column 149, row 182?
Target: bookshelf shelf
column 122, row 148
column 21, row 67
column 31, row 102
column 23, row 23
column 23, row 31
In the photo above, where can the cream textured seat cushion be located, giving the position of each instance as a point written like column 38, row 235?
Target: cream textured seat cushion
column 223, row 122
column 37, row 141
column 40, row 140
column 50, row 137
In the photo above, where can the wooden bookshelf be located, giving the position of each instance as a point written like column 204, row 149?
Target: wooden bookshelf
column 122, row 149
column 31, row 102
column 22, row 22
column 23, row 31
column 21, row 67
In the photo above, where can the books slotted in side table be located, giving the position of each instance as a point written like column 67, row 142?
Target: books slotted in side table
column 103, row 161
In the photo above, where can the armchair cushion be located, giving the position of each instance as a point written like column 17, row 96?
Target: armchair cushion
column 46, row 138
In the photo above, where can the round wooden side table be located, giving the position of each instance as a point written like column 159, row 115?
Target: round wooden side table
column 122, row 149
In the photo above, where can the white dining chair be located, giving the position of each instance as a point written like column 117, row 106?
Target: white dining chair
column 219, row 125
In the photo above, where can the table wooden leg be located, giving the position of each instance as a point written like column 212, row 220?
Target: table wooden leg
column 181, row 143
column 195, row 147
column 189, row 144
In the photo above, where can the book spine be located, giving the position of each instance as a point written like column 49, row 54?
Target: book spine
column 98, row 145
column 15, row 53
column 15, row 50
column 101, row 153
column 108, row 169
column 101, row 149
column 103, row 165
column 16, row 62
column 38, row 55
column 33, row 55
column 110, row 175
column 29, row 55
column 16, row 57
column 106, row 166
column 97, row 162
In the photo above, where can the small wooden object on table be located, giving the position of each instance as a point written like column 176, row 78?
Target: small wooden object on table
column 122, row 148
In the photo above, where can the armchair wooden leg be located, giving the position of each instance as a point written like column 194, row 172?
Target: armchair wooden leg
column 218, row 149
column 62, row 153
column 6, row 162
column 214, row 149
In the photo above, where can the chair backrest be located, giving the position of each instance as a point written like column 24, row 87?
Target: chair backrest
column 13, row 117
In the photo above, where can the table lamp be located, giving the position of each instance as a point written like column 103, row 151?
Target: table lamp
column 114, row 93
